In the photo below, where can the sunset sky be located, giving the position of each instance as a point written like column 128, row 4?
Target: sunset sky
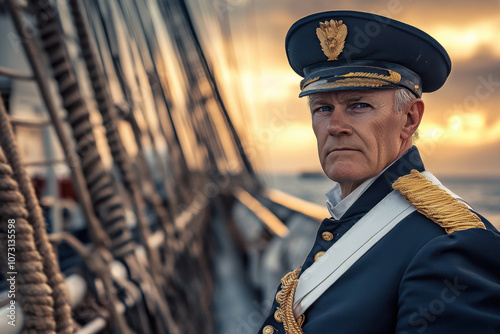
column 460, row 132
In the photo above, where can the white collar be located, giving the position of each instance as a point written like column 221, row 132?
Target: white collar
column 337, row 206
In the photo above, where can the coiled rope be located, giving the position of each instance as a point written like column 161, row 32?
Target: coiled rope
column 42, row 290
column 99, row 237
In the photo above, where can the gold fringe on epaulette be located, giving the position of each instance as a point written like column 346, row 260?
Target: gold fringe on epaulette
column 285, row 299
column 436, row 204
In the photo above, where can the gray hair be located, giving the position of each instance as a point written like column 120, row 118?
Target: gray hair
column 401, row 98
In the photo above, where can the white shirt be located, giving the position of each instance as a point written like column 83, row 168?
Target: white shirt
column 337, row 206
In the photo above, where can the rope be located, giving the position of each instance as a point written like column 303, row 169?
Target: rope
column 72, row 101
column 36, row 299
column 436, row 204
column 120, row 156
column 159, row 88
column 100, row 183
column 38, row 67
column 190, row 265
column 98, row 260
column 216, row 92
column 42, row 288
column 109, row 116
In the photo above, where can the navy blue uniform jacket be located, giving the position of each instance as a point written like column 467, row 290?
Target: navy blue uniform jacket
column 417, row 279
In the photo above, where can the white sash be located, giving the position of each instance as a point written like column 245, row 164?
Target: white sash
column 316, row 279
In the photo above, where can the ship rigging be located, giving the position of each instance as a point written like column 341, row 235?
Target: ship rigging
column 123, row 179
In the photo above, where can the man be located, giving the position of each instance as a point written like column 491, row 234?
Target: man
column 412, row 260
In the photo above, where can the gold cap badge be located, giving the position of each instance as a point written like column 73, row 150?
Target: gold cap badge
column 332, row 36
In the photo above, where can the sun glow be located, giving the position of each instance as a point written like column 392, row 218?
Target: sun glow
column 466, row 41
column 470, row 129
column 274, row 123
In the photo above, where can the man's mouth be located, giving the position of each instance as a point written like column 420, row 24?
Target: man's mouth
column 342, row 149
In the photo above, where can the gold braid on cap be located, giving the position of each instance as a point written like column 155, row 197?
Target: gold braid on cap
column 285, row 299
column 357, row 79
column 436, row 204
column 308, row 82
column 332, row 35
column 393, row 77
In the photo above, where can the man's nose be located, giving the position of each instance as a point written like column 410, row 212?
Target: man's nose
column 338, row 124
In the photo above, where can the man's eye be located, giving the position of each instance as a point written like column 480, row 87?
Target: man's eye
column 361, row 105
column 323, row 109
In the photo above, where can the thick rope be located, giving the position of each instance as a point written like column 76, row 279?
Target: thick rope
column 32, row 289
column 436, row 204
column 107, row 205
column 59, row 62
column 122, row 160
column 109, row 116
column 41, row 256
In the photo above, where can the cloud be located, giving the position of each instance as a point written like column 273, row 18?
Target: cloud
column 418, row 13
column 472, row 87
column 464, row 111
column 464, row 29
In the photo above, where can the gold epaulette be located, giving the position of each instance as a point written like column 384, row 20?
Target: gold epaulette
column 436, row 204
column 285, row 299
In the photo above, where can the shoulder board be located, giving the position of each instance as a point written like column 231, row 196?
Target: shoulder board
column 436, row 204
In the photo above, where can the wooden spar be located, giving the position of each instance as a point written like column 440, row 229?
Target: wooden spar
column 306, row 208
column 272, row 222
column 14, row 74
column 29, row 122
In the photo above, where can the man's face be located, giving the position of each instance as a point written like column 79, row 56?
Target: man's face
column 358, row 133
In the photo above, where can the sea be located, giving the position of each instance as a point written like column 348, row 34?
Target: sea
column 482, row 193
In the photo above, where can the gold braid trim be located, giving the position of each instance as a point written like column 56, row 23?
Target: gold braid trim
column 350, row 82
column 285, row 299
column 357, row 79
column 436, row 204
column 308, row 82
column 393, row 77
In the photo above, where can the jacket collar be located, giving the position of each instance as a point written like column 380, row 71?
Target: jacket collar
column 382, row 185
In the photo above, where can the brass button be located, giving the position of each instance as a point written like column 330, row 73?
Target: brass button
column 318, row 255
column 277, row 315
column 268, row 330
column 327, row 236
